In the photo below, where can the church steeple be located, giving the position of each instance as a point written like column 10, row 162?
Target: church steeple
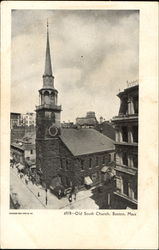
column 48, row 66
column 48, row 95
column 48, row 124
column 48, row 78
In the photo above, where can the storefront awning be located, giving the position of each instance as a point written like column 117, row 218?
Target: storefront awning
column 104, row 169
column 88, row 181
column 33, row 166
column 112, row 173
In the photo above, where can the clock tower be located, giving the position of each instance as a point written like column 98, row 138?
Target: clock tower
column 48, row 124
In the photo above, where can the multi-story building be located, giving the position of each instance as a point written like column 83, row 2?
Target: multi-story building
column 18, row 132
column 89, row 121
column 15, row 119
column 24, row 149
column 29, row 119
column 67, row 157
column 67, row 124
column 126, row 149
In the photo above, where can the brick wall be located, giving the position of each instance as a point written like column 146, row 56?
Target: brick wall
column 19, row 132
column 71, row 169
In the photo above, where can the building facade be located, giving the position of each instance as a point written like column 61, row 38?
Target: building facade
column 67, row 157
column 29, row 119
column 15, row 119
column 84, row 153
column 18, row 132
column 126, row 149
column 89, row 121
column 24, row 149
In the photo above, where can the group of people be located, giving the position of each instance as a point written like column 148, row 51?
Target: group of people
column 72, row 194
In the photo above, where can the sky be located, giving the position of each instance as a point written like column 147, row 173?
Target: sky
column 93, row 53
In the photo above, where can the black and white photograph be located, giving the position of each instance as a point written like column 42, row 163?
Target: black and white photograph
column 79, row 125
column 74, row 109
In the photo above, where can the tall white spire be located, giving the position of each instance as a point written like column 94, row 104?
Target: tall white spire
column 48, row 66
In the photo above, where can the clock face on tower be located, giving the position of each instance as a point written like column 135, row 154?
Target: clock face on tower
column 53, row 130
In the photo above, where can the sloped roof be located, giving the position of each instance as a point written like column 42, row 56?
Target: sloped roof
column 29, row 137
column 85, row 141
column 86, row 120
column 107, row 129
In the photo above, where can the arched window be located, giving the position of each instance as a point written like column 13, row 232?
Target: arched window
column 46, row 93
column 46, row 97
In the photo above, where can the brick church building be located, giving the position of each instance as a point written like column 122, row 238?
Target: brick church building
column 67, row 156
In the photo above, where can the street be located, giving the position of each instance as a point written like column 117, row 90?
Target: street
column 31, row 196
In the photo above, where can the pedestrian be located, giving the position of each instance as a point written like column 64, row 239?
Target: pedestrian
column 75, row 192
column 59, row 194
column 26, row 181
column 21, row 176
column 38, row 194
column 70, row 198
column 46, row 200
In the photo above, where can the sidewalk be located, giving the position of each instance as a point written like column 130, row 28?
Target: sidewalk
column 24, row 196
column 33, row 201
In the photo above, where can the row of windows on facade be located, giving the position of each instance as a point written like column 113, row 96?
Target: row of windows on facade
column 127, row 188
column 98, row 160
column 127, row 134
column 126, row 159
column 66, row 181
